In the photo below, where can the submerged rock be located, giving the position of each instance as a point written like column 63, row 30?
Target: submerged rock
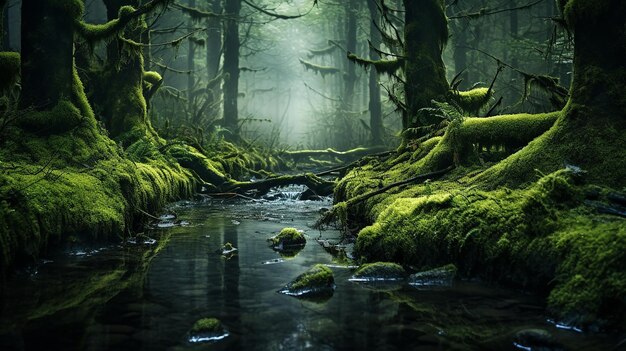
column 379, row 272
column 316, row 282
column 440, row 276
column 289, row 239
column 536, row 340
column 207, row 329
column 227, row 250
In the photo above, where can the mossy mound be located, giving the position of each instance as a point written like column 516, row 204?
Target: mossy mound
column 288, row 239
column 206, row 330
column 316, row 282
column 528, row 237
column 379, row 271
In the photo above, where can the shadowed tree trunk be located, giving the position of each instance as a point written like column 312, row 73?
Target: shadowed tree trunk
column 232, row 9
column 425, row 35
column 591, row 131
column 4, row 25
column 47, row 52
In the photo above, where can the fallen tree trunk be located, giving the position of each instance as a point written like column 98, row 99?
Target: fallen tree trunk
column 342, row 155
column 339, row 210
column 319, row 186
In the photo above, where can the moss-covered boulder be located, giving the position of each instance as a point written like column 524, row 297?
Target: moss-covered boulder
column 378, row 272
column 316, row 282
column 289, row 239
column 437, row 276
column 206, row 330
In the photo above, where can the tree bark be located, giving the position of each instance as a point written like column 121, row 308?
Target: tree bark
column 4, row 25
column 375, row 106
column 191, row 52
column 425, row 34
column 213, row 55
column 232, row 8
column 47, row 53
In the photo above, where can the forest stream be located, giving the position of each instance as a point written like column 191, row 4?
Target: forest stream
column 188, row 278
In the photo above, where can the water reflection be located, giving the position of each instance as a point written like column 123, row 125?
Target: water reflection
column 188, row 280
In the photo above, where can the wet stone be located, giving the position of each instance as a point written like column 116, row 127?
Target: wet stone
column 316, row 282
column 440, row 276
column 288, row 242
column 227, row 249
column 379, row 272
column 207, row 330
column 536, row 340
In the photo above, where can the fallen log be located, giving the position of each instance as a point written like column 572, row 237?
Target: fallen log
column 339, row 210
column 319, row 186
column 342, row 155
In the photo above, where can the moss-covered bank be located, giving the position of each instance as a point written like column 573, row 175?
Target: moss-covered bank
column 559, row 232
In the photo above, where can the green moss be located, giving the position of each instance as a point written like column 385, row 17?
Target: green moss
column 192, row 159
column 526, row 237
column 388, row 67
column 379, row 271
column 472, row 101
column 9, row 69
column 288, row 237
column 319, row 276
column 152, row 77
column 207, row 325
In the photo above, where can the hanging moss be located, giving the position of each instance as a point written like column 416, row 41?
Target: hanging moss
column 323, row 70
column 388, row 67
column 471, row 101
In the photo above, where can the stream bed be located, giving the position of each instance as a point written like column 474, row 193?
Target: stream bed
column 109, row 299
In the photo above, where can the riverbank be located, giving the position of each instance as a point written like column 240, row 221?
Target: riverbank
column 78, row 186
column 560, row 233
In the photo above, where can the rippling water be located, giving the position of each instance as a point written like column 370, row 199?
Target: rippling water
column 105, row 299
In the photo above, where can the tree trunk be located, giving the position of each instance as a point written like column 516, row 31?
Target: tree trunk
column 425, row 34
column 591, row 131
column 350, row 78
column 232, row 9
column 4, row 25
column 375, row 107
column 47, row 52
column 120, row 95
column 191, row 52
column 213, row 55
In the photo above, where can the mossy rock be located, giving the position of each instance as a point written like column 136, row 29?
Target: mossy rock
column 206, row 330
column 437, row 276
column 379, row 271
column 289, row 239
column 316, row 282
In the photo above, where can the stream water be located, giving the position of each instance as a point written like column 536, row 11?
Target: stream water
column 108, row 299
